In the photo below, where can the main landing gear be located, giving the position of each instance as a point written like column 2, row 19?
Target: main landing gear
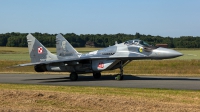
column 73, row 76
column 97, row 75
column 120, row 76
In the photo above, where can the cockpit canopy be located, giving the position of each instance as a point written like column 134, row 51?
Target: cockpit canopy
column 137, row 42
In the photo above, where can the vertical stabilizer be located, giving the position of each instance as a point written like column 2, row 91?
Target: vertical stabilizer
column 64, row 48
column 37, row 51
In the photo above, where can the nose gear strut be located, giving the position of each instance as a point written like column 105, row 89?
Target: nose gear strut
column 120, row 76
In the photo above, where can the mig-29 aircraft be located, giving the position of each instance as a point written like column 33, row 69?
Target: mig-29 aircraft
column 110, row 58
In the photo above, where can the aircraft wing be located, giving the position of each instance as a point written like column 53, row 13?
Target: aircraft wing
column 44, row 62
column 52, row 61
column 76, row 59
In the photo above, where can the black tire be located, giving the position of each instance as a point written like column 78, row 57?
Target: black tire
column 122, row 77
column 39, row 68
column 73, row 76
column 97, row 75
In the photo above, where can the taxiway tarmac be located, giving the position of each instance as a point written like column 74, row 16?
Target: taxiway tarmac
column 183, row 83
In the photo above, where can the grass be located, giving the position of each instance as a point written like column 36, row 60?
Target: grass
column 22, row 50
column 21, row 53
column 85, row 50
column 149, row 93
column 15, row 57
column 189, row 54
column 14, row 50
column 128, row 92
column 101, row 98
column 162, row 67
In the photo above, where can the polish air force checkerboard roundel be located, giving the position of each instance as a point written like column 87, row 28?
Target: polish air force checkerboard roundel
column 40, row 50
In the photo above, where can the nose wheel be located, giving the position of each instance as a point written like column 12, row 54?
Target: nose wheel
column 120, row 76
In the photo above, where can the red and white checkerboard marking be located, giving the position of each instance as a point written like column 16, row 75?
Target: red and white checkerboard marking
column 40, row 50
column 101, row 65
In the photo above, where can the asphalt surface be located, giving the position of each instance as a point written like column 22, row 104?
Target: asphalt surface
column 183, row 83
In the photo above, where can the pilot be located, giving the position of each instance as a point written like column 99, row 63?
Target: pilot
column 136, row 42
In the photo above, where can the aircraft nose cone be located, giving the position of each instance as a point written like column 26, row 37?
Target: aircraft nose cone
column 177, row 54
column 164, row 53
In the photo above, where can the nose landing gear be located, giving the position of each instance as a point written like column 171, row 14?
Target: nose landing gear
column 120, row 76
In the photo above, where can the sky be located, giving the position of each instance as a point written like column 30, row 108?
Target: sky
column 173, row 18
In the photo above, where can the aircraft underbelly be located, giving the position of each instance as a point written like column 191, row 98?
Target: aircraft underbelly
column 60, row 67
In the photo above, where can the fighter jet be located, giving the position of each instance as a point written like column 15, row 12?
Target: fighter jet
column 110, row 58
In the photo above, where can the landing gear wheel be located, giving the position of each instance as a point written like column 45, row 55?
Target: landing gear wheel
column 97, row 75
column 119, row 77
column 73, row 76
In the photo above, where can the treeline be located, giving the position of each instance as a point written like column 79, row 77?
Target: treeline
column 98, row 40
